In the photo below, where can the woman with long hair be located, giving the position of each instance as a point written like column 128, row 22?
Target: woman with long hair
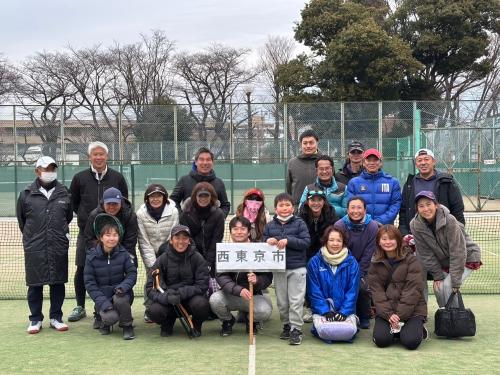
column 253, row 208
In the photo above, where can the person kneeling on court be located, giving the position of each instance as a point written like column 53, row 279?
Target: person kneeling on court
column 109, row 276
column 332, row 288
column 178, row 276
column 234, row 293
column 396, row 280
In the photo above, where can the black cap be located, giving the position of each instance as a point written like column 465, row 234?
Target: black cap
column 425, row 194
column 355, row 145
column 178, row 229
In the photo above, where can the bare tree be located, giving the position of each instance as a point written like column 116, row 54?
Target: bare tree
column 8, row 79
column 208, row 80
column 277, row 50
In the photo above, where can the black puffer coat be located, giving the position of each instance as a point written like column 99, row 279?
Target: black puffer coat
column 207, row 229
column 104, row 273
column 316, row 227
column 186, row 273
column 127, row 217
column 86, row 191
column 184, row 188
column 45, row 227
column 233, row 282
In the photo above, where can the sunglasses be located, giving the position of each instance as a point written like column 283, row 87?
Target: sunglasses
column 314, row 193
column 356, row 152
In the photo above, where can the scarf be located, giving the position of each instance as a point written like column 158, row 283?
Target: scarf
column 251, row 210
column 334, row 259
column 357, row 227
column 155, row 213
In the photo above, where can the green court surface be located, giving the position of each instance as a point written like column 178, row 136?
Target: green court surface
column 81, row 350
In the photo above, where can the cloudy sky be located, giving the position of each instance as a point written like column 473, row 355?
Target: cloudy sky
column 32, row 25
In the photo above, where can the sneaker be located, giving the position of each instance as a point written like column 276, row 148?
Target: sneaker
column 97, row 321
column 227, row 327
column 425, row 333
column 295, row 337
column 77, row 314
column 147, row 319
column 285, row 334
column 58, row 325
column 197, row 329
column 104, row 329
column 167, row 329
column 128, row 333
column 34, row 327
column 308, row 316
column 364, row 323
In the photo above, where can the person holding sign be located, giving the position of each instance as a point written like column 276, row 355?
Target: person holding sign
column 332, row 288
column 290, row 234
column 234, row 293
column 182, row 278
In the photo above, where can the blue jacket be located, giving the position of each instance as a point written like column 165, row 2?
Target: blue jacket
column 335, row 195
column 381, row 192
column 342, row 287
column 295, row 230
column 104, row 273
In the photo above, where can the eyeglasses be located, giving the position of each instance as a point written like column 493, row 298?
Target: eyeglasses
column 325, row 169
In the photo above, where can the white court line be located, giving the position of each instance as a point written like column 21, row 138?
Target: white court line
column 251, row 358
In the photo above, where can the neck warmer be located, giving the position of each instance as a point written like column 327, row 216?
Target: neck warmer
column 284, row 219
column 251, row 210
column 357, row 227
column 334, row 259
column 155, row 213
column 46, row 186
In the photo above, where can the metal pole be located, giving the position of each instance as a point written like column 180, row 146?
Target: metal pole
column 231, row 153
column 285, row 130
column 63, row 154
column 342, row 129
column 176, row 144
column 479, row 151
column 120, row 140
column 380, row 147
column 15, row 153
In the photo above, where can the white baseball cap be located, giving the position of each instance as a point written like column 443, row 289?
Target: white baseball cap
column 45, row 161
column 424, row 151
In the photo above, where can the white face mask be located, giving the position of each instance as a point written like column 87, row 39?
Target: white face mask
column 48, row 177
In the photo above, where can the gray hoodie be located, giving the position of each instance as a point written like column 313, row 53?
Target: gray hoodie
column 300, row 173
column 450, row 246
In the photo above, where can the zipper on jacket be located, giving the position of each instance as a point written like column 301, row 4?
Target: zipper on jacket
column 109, row 257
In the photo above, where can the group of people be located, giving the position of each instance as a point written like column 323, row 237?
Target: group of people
column 345, row 260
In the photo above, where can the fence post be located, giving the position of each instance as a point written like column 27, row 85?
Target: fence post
column 479, row 152
column 176, row 145
column 380, row 141
column 132, row 183
column 120, row 140
column 63, row 153
column 15, row 152
column 342, row 129
column 416, row 128
column 231, row 153
column 285, row 137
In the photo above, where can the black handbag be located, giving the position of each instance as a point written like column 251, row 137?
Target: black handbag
column 454, row 321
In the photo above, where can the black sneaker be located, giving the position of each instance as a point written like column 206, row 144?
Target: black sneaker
column 227, row 327
column 167, row 329
column 285, row 334
column 295, row 337
column 104, row 329
column 197, row 329
column 128, row 333
column 97, row 321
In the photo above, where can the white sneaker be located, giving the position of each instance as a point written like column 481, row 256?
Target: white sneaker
column 307, row 316
column 58, row 325
column 34, row 327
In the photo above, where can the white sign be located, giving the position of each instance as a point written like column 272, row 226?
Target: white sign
column 249, row 256
column 489, row 161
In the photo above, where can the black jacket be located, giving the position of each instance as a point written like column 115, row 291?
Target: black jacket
column 447, row 194
column 45, row 227
column 127, row 218
column 207, row 229
column 233, row 282
column 186, row 273
column 316, row 228
column 104, row 273
column 344, row 174
column 185, row 185
column 86, row 191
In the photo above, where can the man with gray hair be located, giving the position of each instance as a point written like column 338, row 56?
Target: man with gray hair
column 442, row 184
column 87, row 188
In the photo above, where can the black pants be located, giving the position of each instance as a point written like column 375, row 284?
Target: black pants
column 80, row 263
column 121, row 312
column 410, row 335
column 363, row 303
column 35, row 301
column 197, row 306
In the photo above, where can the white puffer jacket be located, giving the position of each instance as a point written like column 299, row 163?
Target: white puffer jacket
column 153, row 234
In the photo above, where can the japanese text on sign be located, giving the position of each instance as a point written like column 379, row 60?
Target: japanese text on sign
column 249, row 256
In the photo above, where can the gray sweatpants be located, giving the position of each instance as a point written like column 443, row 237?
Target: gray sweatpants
column 223, row 303
column 290, row 289
column 445, row 290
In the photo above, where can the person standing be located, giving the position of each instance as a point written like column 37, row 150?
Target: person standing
column 380, row 190
column 234, row 293
column 353, row 164
column 334, row 191
column 87, row 188
column 44, row 212
column 203, row 171
column 442, row 184
column 301, row 170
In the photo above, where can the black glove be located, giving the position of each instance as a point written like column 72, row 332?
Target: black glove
column 162, row 298
column 339, row 317
column 329, row 316
column 173, row 297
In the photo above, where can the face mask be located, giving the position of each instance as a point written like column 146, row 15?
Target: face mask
column 251, row 210
column 48, row 177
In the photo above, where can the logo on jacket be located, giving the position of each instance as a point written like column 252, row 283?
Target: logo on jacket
column 322, row 269
column 385, row 188
column 362, row 187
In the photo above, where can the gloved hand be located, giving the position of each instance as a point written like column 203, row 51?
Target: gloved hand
column 173, row 297
column 329, row 316
column 339, row 317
